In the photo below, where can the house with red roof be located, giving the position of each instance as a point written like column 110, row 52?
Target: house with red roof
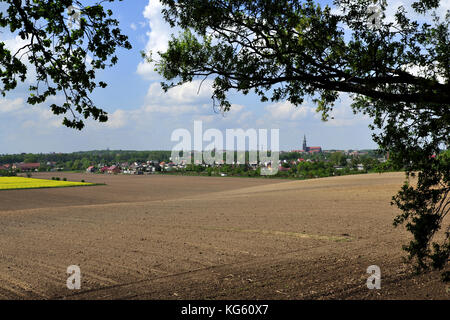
column 91, row 169
column 104, row 169
column 26, row 166
column 114, row 170
column 314, row 149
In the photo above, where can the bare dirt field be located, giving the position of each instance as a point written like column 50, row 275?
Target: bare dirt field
column 175, row 237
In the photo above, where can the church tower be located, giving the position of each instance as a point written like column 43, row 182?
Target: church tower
column 305, row 147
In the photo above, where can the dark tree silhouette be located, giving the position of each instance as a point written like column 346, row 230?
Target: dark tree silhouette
column 66, row 42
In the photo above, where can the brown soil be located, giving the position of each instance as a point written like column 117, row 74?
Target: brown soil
column 174, row 237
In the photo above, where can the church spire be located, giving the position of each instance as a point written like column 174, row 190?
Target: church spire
column 304, row 144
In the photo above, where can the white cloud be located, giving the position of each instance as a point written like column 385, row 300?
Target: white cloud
column 118, row 119
column 236, row 109
column 190, row 98
column 286, row 115
column 38, row 117
column 194, row 92
column 287, row 111
column 41, row 118
column 158, row 38
column 342, row 114
column 15, row 44
column 7, row 106
column 244, row 117
column 172, row 110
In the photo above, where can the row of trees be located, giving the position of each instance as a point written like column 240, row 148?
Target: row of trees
column 82, row 160
column 302, row 170
column 369, row 159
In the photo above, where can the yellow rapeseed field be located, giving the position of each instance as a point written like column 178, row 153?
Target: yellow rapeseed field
column 7, row 183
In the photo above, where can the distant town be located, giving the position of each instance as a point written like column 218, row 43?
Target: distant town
column 308, row 162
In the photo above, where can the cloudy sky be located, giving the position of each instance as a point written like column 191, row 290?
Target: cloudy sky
column 142, row 116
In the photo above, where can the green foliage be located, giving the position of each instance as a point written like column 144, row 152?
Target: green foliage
column 7, row 173
column 302, row 170
column 338, row 158
column 292, row 49
column 289, row 50
column 424, row 207
column 30, row 158
column 76, row 165
column 88, row 158
column 59, row 54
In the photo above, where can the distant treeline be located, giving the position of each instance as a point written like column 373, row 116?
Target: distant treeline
column 303, row 170
column 363, row 154
column 87, row 157
column 82, row 160
column 293, row 164
column 118, row 156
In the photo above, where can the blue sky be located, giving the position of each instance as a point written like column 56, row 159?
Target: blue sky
column 142, row 117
